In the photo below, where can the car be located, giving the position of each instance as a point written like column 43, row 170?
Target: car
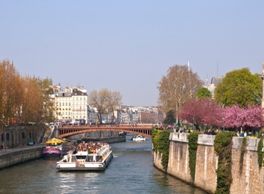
column 31, row 143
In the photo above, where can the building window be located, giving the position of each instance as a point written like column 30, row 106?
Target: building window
column 7, row 137
column 23, row 135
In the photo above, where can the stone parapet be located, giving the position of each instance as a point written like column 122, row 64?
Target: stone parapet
column 204, row 139
column 179, row 137
column 252, row 143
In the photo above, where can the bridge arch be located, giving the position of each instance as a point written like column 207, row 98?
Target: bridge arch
column 144, row 130
column 96, row 130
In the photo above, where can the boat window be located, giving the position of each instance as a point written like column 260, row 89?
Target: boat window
column 80, row 157
column 90, row 158
column 99, row 158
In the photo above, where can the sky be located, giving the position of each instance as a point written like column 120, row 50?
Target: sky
column 128, row 46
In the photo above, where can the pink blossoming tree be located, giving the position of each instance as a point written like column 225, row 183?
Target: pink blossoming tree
column 201, row 112
column 207, row 112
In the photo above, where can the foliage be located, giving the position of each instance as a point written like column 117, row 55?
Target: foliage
column 236, row 117
column 207, row 112
column 192, row 142
column 48, row 106
column 161, row 143
column 203, row 93
column 201, row 112
column 177, row 86
column 22, row 99
column 239, row 87
column 105, row 101
column 170, row 118
column 242, row 153
column 260, row 153
column 223, row 148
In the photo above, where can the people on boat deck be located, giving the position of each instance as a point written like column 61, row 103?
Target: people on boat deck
column 90, row 146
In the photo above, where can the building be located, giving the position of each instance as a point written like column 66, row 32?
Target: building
column 212, row 85
column 134, row 115
column 71, row 104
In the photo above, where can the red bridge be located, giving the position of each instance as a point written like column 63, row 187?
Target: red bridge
column 70, row 130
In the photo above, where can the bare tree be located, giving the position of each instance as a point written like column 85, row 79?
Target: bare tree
column 104, row 101
column 179, row 85
column 114, row 103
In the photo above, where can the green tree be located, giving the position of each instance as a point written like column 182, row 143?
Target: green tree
column 170, row 118
column 203, row 93
column 239, row 87
column 48, row 105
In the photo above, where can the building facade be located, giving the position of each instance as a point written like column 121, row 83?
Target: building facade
column 71, row 104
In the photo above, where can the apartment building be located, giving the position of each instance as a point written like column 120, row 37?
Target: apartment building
column 71, row 104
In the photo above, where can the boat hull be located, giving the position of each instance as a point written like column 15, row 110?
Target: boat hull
column 51, row 152
column 97, row 166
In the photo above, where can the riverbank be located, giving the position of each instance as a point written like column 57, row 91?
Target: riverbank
column 247, row 175
column 10, row 157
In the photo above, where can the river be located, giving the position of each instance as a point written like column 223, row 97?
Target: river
column 131, row 171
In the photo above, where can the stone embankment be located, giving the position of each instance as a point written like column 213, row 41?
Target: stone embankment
column 14, row 140
column 10, row 157
column 247, row 176
column 17, row 136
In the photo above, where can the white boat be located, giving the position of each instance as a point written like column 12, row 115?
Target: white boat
column 139, row 138
column 90, row 157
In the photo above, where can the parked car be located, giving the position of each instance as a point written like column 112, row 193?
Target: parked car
column 31, row 143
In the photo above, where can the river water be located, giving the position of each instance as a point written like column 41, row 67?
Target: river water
column 131, row 171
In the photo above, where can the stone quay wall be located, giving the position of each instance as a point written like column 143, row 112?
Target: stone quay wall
column 17, row 136
column 15, row 156
column 246, row 180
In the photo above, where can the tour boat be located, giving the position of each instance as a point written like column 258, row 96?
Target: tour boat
column 87, row 157
column 138, row 138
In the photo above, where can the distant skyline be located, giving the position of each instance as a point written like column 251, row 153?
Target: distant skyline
column 128, row 46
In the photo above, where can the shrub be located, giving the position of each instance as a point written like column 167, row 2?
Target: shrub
column 223, row 148
column 242, row 153
column 161, row 143
column 260, row 153
column 192, row 142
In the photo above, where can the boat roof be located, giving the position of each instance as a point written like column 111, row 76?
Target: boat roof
column 54, row 141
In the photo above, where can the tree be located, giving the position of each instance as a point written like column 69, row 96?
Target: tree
column 201, row 112
column 48, row 106
column 104, row 101
column 203, row 93
column 33, row 98
column 175, row 88
column 22, row 99
column 114, row 103
column 236, row 117
column 10, row 92
column 170, row 118
column 239, row 87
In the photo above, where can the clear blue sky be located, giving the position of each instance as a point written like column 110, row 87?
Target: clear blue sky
column 129, row 45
